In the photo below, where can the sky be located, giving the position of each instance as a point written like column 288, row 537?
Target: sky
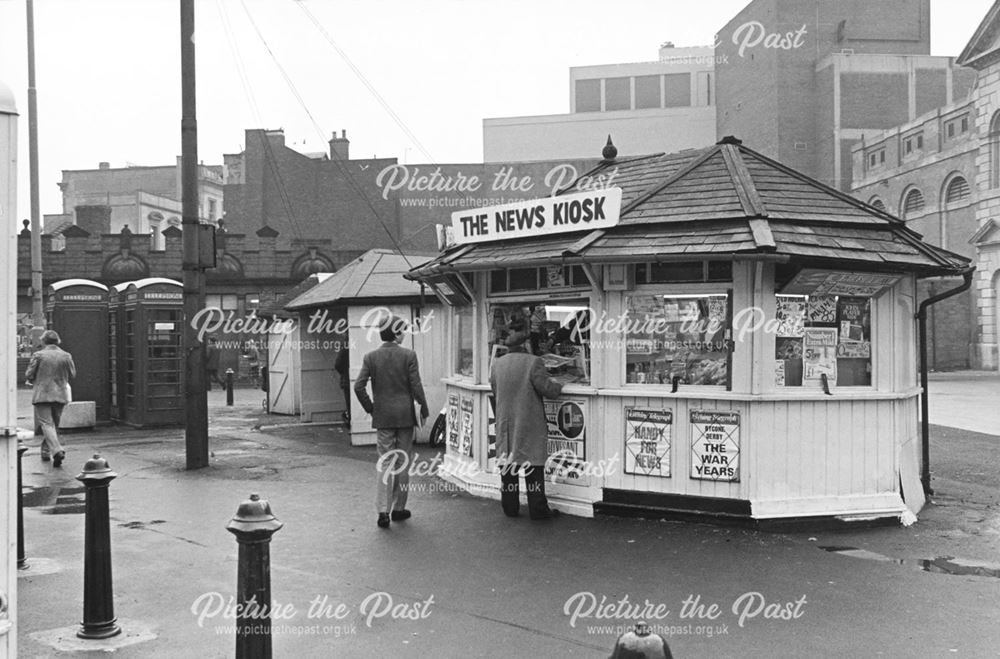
column 405, row 78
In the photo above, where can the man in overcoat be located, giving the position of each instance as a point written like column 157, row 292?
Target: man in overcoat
column 396, row 385
column 49, row 373
column 519, row 382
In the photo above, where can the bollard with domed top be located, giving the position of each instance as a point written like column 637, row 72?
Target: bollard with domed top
column 253, row 527
column 22, row 561
column 641, row 643
column 229, row 387
column 98, row 592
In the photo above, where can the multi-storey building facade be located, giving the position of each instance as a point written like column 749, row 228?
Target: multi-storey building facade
column 802, row 80
column 666, row 105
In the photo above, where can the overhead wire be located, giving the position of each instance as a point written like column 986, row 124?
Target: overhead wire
column 270, row 158
column 335, row 158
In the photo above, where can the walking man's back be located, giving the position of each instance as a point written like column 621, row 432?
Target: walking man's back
column 396, row 385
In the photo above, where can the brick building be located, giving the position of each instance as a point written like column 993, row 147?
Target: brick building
column 941, row 173
column 924, row 172
column 802, row 80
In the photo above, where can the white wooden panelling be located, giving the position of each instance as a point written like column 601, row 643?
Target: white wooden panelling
column 282, row 372
column 320, row 383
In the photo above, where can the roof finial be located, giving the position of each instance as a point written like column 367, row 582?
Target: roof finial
column 730, row 139
column 609, row 152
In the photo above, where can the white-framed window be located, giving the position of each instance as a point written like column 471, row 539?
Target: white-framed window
column 678, row 337
column 821, row 335
column 463, row 340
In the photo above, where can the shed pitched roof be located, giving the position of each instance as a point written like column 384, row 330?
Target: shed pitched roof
column 719, row 202
column 378, row 273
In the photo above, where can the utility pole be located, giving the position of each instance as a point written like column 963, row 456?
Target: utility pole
column 196, row 397
column 37, row 310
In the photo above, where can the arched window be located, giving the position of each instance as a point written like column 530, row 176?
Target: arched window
column 913, row 203
column 994, row 142
column 957, row 191
column 877, row 203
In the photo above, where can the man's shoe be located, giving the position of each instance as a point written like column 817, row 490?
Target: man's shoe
column 551, row 513
column 383, row 520
column 400, row 515
column 57, row 459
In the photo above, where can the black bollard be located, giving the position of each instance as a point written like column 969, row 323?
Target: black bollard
column 229, row 387
column 98, row 594
column 253, row 527
column 22, row 562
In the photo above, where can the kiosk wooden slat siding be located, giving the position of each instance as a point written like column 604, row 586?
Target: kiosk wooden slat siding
column 761, row 235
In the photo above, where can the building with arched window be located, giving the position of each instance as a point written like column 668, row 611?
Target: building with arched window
column 956, row 171
column 930, row 188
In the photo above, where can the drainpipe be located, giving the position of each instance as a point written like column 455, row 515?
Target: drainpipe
column 921, row 316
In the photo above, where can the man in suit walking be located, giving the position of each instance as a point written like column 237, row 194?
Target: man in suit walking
column 49, row 373
column 519, row 382
column 396, row 385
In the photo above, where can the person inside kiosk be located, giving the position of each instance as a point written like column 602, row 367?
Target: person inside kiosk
column 558, row 333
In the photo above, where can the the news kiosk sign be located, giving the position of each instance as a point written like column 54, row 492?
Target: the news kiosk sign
column 594, row 209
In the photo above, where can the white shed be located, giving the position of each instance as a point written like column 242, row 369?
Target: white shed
column 345, row 309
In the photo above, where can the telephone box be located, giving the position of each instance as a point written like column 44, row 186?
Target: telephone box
column 152, row 356
column 116, row 350
column 78, row 310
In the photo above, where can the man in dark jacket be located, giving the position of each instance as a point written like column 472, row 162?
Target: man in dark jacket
column 396, row 385
column 49, row 373
column 343, row 367
column 519, row 382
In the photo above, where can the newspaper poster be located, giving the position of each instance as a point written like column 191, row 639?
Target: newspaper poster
column 715, row 445
column 567, row 431
column 791, row 315
column 819, row 352
column 821, row 309
column 452, row 422
column 491, row 433
column 465, row 436
column 647, row 442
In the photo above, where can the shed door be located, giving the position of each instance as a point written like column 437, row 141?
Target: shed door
column 282, row 383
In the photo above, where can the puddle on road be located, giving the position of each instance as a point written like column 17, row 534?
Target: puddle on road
column 56, row 500
column 939, row 565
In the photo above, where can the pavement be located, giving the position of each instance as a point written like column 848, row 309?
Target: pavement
column 461, row 580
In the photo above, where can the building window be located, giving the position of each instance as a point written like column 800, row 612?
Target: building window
column 913, row 143
column 957, row 191
column 647, row 92
column 588, row 95
column 913, row 203
column 876, row 158
column 964, row 124
column 211, row 209
column 877, row 203
column 677, row 90
column 994, row 139
column 618, row 94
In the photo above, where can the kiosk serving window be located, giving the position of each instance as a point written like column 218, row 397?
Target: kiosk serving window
column 821, row 335
column 463, row 341
column 557, row 332
column 678, row 336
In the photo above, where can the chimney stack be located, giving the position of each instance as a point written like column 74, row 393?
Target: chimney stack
column 340, row 146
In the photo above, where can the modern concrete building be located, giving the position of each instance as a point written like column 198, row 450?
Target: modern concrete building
column 666, row 105
column 802, row 80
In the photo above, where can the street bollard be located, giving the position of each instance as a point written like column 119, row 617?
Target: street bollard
column 98, row 594
column 229, row 387
column 22, row 562
column 253, row 527
column 641, row 643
